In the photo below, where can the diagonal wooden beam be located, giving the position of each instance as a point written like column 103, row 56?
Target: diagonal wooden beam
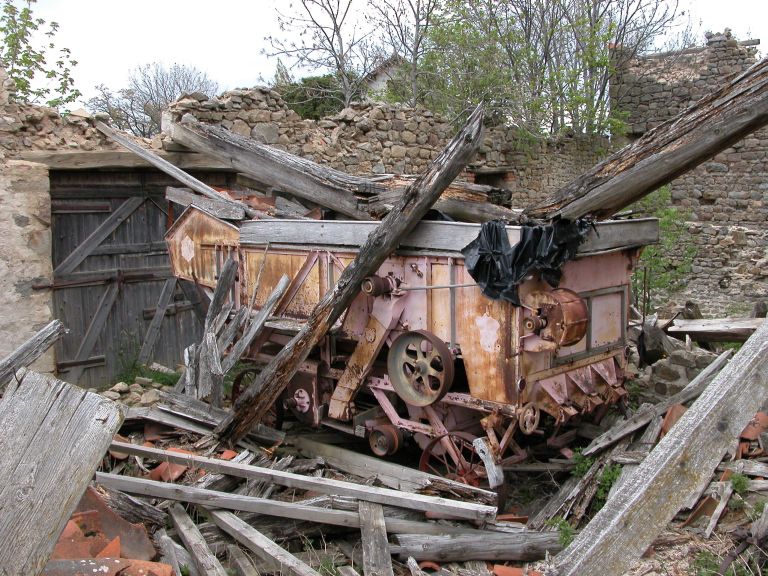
column 94, row 330
column 157, row 320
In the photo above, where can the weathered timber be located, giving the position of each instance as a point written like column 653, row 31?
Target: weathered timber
column 98, row 159
column 376, row 557
column 347, row 571
column 626, row 427
column 521, row 546
column 254, row 402
column 289, row 510
column 145, row 354
column 388, row 473
column 275, row 556
column 134, row 510
column 273, row 167
column 53, row 436
column 205, row 561
column 168, row 549
column 94, row 330
column 667, row 151
column 240, row 563
column 30, row 351
column 210, row 374
column 170, row 169
column 322, row 485
column 715, row 329
column 223, row 289
column 681, row 463
column 185, row 197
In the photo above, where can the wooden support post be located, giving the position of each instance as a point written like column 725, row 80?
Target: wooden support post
column 276, row 557
column 53, row 436
column 254, row 403
column 667, row 151
column 376, row 557
column 145, row 354
column 680, row 464
column 30, row 351
column 205, row 561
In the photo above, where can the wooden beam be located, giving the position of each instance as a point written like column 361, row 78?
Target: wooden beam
column 205, row 561
column 715, row 329
column 170, row 169
column 680, row 464
column 30, row 351
column 239, row 562
column 626, row 427
column 254, row 402
column 290, row 510
column 376, row 557
column 276, row 168
column 670, row 149
column 100, row 159
column 53, row 436
column 217, row 208
column 518, row 546
column 145, row 354
column 96, row 237
column 406, row 500
column 275, row 556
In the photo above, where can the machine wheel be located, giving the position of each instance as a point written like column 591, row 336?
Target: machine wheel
column 528, row 419
column 244, row 379
column 453, row 456
column 420, row 367
column 385, row 440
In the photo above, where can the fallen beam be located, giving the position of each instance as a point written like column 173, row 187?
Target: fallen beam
column 715, row 329
column 215, row 207
column 53, row 436
column 376, row 557
column 520, row 546
column 30, row 351
column 255, row 402
column 680, row 464
column 420, row 502
column 662, row 154
column 204, row 560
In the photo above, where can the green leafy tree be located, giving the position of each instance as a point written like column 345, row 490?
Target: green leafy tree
column 40, row 73
column 313, row 97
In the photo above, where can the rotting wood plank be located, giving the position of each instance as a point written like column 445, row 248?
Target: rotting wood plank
column 519, row 546
column 52, row 436
column 97, row 159
column 289, row 510
column 30, row 351
column 170, row 169
column 667, row 151
column 110, row 224
column 185, row 197
column 256, row 401
column 681, row 463
column 205, row 561
column 715, row 329
column 376, row 557
column 374, row 494
column 240, row 563
column 626, row 427
column 275, row 556
column 145, row 354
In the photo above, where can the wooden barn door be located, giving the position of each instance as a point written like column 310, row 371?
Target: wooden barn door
column 113, row 287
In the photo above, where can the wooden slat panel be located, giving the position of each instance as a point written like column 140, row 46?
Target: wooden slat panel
column 94, row 329
column 154, row 327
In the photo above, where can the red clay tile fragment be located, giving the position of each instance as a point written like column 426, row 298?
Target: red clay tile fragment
column 106, row 567
column 111, row 550
column 428, row 565
column 756, row 426
column 119, row 455
column 228, row 455
column 671, row 417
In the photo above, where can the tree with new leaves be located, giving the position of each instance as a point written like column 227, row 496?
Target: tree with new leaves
column 151, row 88
column 329, row 36
column 311, row 97
column 41, row 73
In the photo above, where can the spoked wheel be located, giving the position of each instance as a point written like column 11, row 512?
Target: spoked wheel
column 453, row 456
column 243, row 381
column 420, row 367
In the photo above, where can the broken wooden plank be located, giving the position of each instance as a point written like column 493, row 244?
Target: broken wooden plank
column 30, row 351
column 173, row 171
column 376, row 557
column 205, row 561
column 408, row 500
column 520, row 546
column 240, row 563
column 214, row 207
column 715, row 329
column 291, row 510
column 667, row 151
column 388, row 473
column 626, row 427
column 681, row 463
column 256, row 401
column 275, row 556
column 273, row 167
column 53, row 436
column 145, row 354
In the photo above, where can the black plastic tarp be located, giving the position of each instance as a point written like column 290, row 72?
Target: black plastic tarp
column 499, row 268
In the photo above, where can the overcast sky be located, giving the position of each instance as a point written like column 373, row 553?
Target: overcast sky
column 225, row 39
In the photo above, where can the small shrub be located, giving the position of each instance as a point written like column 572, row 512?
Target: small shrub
column 739, row 483
column 606, row 480
column 582, row 464
column 565, row 532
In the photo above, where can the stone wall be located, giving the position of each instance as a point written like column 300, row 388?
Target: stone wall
column 726, row 199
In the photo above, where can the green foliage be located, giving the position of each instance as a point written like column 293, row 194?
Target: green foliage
column 565, row 532
column 606, row 480
column 313, row 97
column 664, row 266
column 40, row 73
column 582, row 464
column 707, row 564
column 739, row 483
